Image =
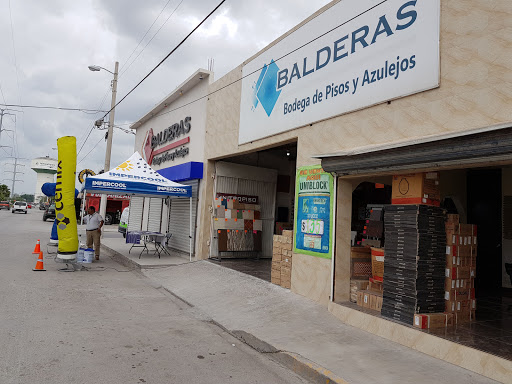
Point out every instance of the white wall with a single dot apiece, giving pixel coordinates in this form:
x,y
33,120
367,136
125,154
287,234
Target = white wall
x,y
196,110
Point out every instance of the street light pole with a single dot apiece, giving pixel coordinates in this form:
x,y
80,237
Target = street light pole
x,y
108,151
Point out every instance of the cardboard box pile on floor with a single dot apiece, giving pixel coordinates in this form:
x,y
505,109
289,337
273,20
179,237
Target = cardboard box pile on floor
x,y
281,273
461,251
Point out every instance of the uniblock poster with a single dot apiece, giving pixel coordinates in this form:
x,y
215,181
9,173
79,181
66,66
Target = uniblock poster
x,y
313,212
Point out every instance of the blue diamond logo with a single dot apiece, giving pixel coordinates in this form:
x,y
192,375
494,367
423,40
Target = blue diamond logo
x,y
265,91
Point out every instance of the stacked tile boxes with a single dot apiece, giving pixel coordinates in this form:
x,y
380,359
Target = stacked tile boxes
x,y
461,251
281,273
414,264
360,270
238,225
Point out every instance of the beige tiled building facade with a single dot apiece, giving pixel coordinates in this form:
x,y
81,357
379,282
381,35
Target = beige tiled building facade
x,y
474,93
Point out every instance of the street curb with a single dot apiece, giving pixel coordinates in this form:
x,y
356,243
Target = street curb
x,y
121,259
307,369
127,262
303,367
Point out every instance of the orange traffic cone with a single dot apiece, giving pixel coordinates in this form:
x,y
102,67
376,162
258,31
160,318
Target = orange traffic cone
x,y
37,249
39,264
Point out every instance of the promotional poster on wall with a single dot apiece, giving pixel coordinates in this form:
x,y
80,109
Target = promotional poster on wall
x,y
314,212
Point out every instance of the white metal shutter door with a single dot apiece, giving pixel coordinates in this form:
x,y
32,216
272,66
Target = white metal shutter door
x,y
135,214
179,219
155,214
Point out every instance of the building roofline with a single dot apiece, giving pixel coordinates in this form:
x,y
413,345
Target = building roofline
x,y
188,84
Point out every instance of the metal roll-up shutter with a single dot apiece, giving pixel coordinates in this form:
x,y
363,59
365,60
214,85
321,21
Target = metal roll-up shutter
x,y
155,214
179,218
135,214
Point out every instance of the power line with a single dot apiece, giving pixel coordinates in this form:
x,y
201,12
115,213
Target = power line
x,y
276,60
85,110
143,37
158,65
156,33
88,153
167,56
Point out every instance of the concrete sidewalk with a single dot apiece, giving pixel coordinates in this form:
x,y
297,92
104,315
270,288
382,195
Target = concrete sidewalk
x,y
120,250
256,310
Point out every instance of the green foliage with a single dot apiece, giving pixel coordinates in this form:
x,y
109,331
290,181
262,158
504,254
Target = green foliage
x,y
4,192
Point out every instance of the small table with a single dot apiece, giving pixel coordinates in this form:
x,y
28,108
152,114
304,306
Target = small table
x,y
147,237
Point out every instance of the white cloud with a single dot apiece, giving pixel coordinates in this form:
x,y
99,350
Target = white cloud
x,y
57,39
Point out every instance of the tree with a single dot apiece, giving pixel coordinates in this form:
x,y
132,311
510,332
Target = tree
x,y
4,192
27,197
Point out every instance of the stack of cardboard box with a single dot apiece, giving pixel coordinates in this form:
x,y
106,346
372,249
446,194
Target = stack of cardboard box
x,y
372,297
461,251
414,262
281,273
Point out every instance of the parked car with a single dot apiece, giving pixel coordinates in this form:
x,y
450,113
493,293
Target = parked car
x,y
5,205
19,206
29,205
49,213
123,222
43,206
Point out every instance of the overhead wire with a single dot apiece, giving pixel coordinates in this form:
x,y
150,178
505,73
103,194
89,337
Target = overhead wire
x,y
143,37
158,65
276,60
85,110
92,149
167,56
156,33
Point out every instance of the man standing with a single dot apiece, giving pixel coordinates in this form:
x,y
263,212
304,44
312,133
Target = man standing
x,y
93,229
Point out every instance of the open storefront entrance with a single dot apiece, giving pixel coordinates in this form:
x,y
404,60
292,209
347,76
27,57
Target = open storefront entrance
x,y
475,227
478,197
253,200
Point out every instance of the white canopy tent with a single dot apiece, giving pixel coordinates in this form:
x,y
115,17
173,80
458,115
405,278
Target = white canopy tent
x,y
136,177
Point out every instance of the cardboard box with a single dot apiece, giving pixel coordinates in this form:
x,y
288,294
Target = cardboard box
x,y
451,284
416,188
452,218
276,265
458,272
377,262
288,233
452,237
360,295
457,294
450,306
433,320
366,299
452,261
375,286
355,287
463,305
379,303
286,284
374,301
462,317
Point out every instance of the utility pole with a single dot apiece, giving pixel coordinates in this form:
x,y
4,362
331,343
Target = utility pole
x,y
14,173
108,151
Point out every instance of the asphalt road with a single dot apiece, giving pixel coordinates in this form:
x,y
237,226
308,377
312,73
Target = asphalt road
x,y
107,324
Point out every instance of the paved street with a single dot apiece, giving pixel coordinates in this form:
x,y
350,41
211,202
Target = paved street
x,y
107,324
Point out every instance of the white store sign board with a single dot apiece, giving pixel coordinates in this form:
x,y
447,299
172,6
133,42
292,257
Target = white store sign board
x,y
375,51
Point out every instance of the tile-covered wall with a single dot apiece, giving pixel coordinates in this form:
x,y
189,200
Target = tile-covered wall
x,y
474,92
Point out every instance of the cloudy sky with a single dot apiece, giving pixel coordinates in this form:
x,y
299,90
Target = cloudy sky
x,y
47,46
